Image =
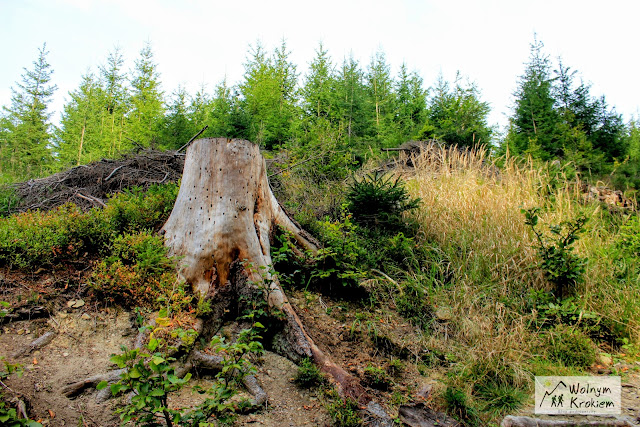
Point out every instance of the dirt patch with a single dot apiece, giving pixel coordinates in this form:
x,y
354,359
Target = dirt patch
x,y
85,341
82,347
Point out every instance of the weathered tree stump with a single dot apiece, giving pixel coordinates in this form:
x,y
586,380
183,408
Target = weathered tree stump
x,y
220,229
223,219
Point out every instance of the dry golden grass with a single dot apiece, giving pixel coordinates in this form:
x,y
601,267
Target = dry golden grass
x,y
471,209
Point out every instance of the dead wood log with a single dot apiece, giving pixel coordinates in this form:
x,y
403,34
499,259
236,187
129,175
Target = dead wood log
x,y
512,421
24,313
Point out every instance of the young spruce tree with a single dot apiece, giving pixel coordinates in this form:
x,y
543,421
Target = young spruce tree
x,y
26,135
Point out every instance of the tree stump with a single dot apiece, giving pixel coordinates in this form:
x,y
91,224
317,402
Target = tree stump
x,y
223,219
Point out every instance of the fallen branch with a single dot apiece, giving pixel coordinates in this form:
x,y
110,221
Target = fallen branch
x,y
91,199
36,344
113,172
192,139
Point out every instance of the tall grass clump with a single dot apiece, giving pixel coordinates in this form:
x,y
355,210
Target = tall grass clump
x,y
500,296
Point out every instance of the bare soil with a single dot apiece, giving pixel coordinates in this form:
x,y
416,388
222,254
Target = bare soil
x,y
89,334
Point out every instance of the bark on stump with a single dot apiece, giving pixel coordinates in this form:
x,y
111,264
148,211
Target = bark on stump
x,y
224,215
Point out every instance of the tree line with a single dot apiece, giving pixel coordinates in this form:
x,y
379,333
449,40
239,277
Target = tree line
x,y
340,109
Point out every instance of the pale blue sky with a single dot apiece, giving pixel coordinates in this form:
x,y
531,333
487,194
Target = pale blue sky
x,y
198,41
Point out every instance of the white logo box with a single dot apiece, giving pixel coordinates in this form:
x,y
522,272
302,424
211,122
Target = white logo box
x,y
586,395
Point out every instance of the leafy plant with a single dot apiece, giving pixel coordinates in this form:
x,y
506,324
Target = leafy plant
x,y
563,268
9,415
376,378
343,412
379,201
308,374
235,367
150,376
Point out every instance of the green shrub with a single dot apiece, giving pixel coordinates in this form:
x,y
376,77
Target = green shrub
x,y
137,273
136,209
629,237
377,378
570,346
37,238
377,201
40,239
343,412
308,374
342,258
560,265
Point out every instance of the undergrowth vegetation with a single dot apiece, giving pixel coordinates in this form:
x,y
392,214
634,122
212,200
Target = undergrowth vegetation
x,y
506,266
130,263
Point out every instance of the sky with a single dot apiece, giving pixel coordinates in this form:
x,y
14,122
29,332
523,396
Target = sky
x,y
198,42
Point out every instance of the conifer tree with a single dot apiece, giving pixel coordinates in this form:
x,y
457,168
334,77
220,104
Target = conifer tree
x,y
535,119
411,103
268,95
381,97
176,127
147,108
456,115
318,92
25,137
79,140
351,93
116,107
227,119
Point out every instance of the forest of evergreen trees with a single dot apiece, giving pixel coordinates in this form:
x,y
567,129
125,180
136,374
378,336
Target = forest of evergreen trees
x,y
339,109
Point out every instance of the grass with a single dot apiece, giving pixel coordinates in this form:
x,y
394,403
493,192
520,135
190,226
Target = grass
x,y
471,215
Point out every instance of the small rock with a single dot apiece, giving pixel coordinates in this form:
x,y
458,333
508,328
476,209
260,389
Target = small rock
x,y
85,316
443,314
425,391
65,354
604,359
75,303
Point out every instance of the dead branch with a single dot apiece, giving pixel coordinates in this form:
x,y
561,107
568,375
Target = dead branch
x,y
36,344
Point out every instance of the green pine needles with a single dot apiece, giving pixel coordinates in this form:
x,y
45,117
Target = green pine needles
x,y
378,201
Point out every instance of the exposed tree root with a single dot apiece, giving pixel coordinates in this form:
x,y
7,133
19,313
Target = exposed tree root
x,y
36,344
